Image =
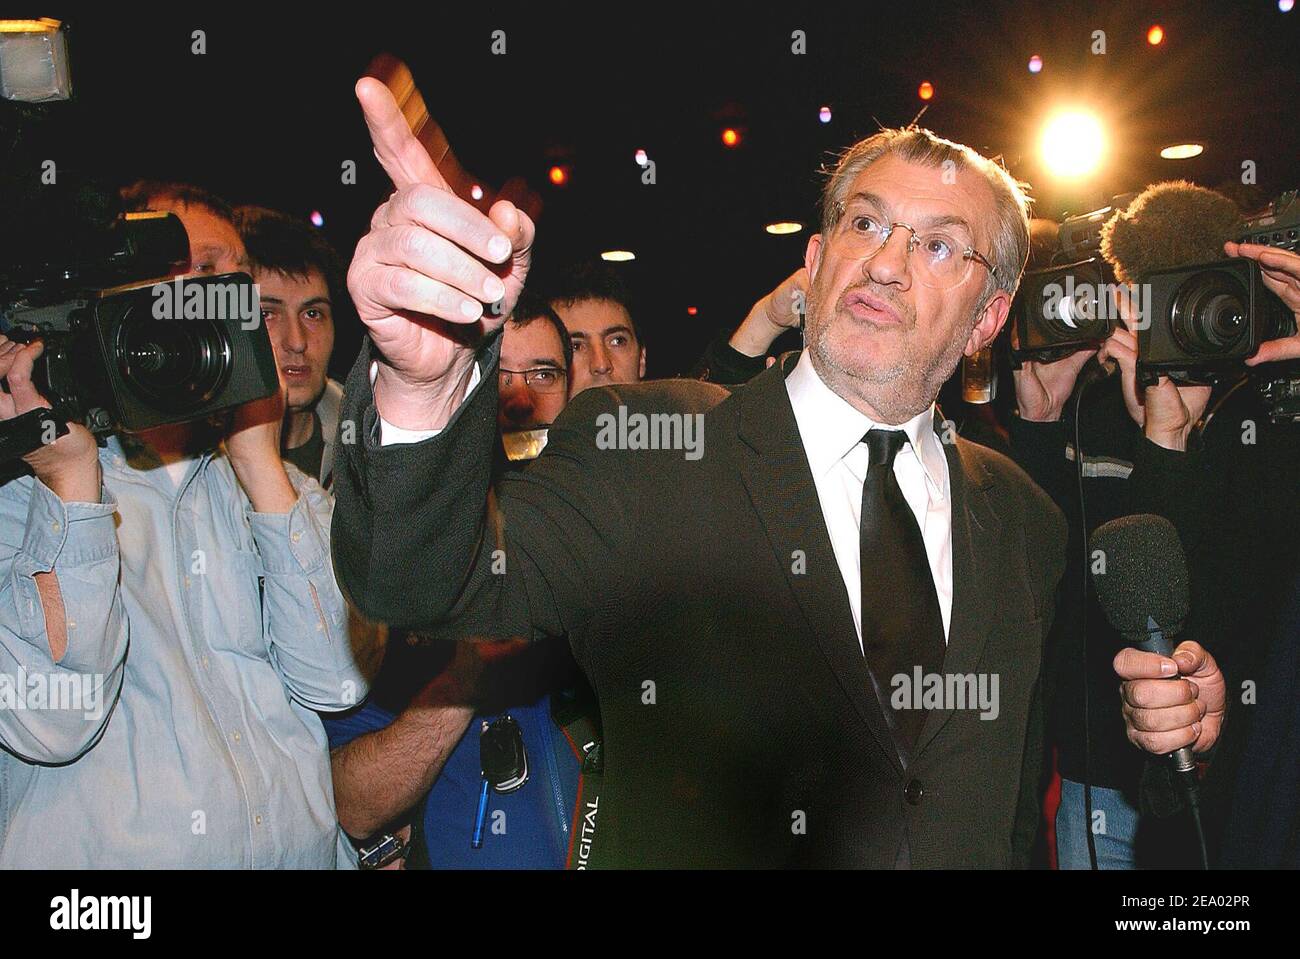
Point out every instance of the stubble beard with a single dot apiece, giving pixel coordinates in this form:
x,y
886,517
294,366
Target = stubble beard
x,y
892,394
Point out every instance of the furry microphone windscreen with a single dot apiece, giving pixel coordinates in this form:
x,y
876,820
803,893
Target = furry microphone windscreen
x,y
1168,225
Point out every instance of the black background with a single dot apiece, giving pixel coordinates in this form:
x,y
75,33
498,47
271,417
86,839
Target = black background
x,y
267,114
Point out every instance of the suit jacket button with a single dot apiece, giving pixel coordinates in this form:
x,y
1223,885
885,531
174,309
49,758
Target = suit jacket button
x,y
913,792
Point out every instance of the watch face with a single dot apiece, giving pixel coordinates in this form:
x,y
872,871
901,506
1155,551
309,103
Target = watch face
x,y
382,852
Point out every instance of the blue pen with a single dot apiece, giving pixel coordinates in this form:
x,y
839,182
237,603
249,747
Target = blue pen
x,y
477,841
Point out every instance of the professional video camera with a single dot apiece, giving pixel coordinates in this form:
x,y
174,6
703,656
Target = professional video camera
x,y
1201,321
125,348
1067,306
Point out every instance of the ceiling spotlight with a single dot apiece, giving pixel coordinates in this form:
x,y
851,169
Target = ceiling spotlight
x,y
1182,151
1285,5
1035,64
926,90
642,158
1156,35
1072,144
692,310
618,256
782,227
558,175
730,137
824,114
316,219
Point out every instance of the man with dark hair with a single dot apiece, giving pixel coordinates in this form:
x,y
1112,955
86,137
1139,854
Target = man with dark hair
x,y
300,283
535,359
406,764
596,308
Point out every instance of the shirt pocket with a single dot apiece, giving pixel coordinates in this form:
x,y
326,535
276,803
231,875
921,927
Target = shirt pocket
x,y
240,602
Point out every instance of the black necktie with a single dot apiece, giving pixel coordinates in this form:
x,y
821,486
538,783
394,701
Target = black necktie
x,y
902,627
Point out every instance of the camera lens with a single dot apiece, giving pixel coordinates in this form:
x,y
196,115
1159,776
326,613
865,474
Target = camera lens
x,y
175,365
1209,313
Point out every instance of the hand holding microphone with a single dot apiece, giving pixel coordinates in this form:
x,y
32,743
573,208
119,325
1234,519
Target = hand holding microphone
x,y
1173,699
1171,702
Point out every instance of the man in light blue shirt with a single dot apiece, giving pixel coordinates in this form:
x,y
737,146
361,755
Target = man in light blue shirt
x,y
187,584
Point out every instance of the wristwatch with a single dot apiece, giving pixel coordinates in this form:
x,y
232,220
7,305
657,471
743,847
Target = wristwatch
x,y
379,851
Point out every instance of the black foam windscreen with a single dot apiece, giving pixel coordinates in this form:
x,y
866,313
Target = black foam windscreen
x,y
1139,571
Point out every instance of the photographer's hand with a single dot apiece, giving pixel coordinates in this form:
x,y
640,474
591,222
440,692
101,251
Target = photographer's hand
x,y
422,274
70,465
1281,274
253,447
1166,411
1043,388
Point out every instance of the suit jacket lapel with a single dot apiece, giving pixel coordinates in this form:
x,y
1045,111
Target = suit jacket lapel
x,y
975,530
775,471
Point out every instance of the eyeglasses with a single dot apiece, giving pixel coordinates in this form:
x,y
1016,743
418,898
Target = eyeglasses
x,y
540,379
944,260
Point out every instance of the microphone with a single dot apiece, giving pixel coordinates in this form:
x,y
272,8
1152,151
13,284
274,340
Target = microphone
x,y
1169,225
1142,585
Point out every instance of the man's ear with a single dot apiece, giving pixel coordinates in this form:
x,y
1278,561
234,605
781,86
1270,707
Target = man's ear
x,y
812,256
990,323
641,375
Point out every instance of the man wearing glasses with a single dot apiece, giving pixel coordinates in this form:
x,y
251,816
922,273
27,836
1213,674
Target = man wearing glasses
x,y
407,764
533,378
817,644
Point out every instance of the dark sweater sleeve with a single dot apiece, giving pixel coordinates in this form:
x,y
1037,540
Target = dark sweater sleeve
x,y
1172,484
1039,450
722,363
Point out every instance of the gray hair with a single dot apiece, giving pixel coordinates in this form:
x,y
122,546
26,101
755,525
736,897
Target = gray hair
x,y
1010,242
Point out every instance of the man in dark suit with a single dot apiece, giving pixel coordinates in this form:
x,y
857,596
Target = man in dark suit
x,y
813,617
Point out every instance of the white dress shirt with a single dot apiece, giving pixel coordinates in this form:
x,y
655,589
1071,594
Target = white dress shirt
x,y
390,435
832,433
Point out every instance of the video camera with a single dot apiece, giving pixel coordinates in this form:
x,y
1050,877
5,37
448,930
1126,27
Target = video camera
x,y
1063,308
125,349
1195,323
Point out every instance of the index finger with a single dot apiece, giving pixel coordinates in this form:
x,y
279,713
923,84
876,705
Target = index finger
x,y
398,151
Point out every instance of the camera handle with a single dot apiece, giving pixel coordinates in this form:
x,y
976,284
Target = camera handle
x,y
30,431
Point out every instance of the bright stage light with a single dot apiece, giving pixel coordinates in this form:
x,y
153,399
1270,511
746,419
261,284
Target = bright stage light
x,y
1286,6
1182,151
1072,144
618,256
926,90
1035,64
824,114
783,227
1155,35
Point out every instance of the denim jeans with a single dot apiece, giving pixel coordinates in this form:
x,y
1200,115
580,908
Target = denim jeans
x,y
1115,825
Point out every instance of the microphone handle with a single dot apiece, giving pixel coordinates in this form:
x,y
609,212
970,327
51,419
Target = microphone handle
x,y
1155,641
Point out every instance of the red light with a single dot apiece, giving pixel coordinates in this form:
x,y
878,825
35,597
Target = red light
x,y
926,90
559,175
1155,35
692,310
730,137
